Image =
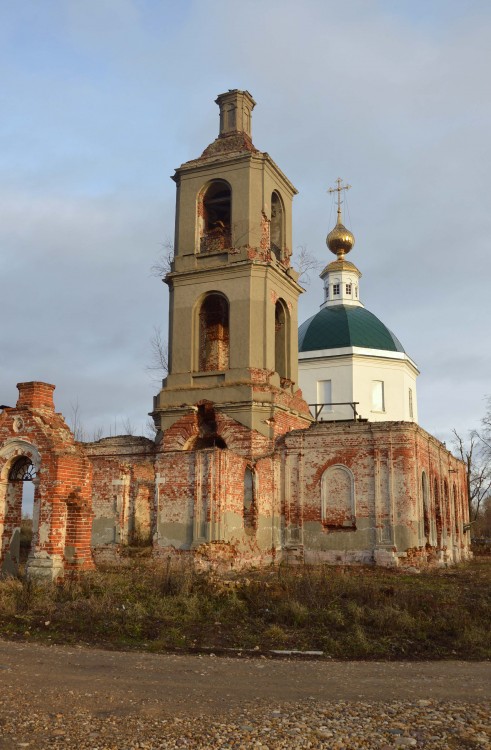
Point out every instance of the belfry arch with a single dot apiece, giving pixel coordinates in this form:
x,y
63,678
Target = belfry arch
x,y
277,225
282,339
214,333
215,217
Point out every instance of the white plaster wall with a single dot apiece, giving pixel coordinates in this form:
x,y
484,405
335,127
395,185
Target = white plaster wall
x,y
340,372
352,372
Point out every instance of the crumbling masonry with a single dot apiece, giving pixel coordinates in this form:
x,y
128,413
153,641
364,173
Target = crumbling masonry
x,y
239,473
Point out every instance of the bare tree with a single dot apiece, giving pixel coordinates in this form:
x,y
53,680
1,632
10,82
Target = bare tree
x,y
127,426
305,263
482,528
78,429
485,433
158,366
97,434
163,264
150,429
478,466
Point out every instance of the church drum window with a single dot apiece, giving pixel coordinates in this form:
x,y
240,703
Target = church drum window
x,y
348,289
214,335
336,289
378,396
324,397
215,208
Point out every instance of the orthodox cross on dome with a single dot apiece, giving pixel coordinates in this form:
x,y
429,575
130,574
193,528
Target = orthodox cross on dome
x,y
340,187
340,240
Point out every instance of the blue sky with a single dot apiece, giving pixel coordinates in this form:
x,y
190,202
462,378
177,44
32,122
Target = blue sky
x,y
102,99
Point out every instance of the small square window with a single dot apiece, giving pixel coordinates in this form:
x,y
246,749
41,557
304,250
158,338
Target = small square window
x,y
336,288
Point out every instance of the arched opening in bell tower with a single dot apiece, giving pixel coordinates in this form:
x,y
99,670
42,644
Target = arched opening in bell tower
x,y
276,227
215,213
281,339
214,335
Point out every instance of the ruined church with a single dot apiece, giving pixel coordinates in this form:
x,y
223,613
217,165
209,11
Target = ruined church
x,y
273,444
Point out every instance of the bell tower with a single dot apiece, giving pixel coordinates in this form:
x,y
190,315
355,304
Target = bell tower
x,y
233,293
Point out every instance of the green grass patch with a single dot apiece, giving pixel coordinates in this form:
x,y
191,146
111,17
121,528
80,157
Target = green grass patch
x,y
348,613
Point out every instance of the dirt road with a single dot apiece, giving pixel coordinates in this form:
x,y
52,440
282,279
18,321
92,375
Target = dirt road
x,y
67,697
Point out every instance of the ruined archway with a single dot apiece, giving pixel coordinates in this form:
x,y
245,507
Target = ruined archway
x,y
19,508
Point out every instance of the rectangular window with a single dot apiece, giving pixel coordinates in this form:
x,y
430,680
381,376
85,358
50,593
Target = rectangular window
x,y
378,401
411,415
324,396
336,288
348,288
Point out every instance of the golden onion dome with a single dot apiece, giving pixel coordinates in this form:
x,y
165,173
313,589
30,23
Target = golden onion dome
x,y
340,240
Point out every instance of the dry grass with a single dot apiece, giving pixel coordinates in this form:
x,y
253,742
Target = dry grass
x,y
348,613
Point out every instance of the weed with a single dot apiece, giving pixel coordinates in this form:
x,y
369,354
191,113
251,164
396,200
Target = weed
x,y
355,613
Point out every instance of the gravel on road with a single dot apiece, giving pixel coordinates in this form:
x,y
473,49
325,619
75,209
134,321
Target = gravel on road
x,y
87,699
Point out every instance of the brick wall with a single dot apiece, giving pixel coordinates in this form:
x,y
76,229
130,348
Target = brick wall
x,y
62,500
349,492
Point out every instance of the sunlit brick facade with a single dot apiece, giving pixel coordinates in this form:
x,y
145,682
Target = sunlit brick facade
x,y
239,473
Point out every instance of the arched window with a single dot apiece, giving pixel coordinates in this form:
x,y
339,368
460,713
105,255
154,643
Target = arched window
x,y
249,500
456,510
23,470
276,228
214,339
215,212
426,514
447,511
338,497
438,514
207,435
281,339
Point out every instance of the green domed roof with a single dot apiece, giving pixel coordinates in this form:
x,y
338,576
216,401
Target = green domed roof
x,y
345,325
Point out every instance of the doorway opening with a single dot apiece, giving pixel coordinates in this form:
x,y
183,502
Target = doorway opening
x,y
19,512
